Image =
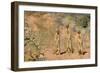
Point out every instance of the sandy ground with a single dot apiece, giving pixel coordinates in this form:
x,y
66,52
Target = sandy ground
x,y
49,55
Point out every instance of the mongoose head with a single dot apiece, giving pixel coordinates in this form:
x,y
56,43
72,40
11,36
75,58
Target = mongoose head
x,y
67,26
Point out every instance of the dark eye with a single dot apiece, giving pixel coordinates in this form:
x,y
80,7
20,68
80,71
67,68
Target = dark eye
x,y
84,26
57,32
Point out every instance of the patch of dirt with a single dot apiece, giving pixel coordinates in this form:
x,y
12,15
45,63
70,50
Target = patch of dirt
x,y
50,55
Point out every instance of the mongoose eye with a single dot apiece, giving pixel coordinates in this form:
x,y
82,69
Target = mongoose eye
x,y
58,32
